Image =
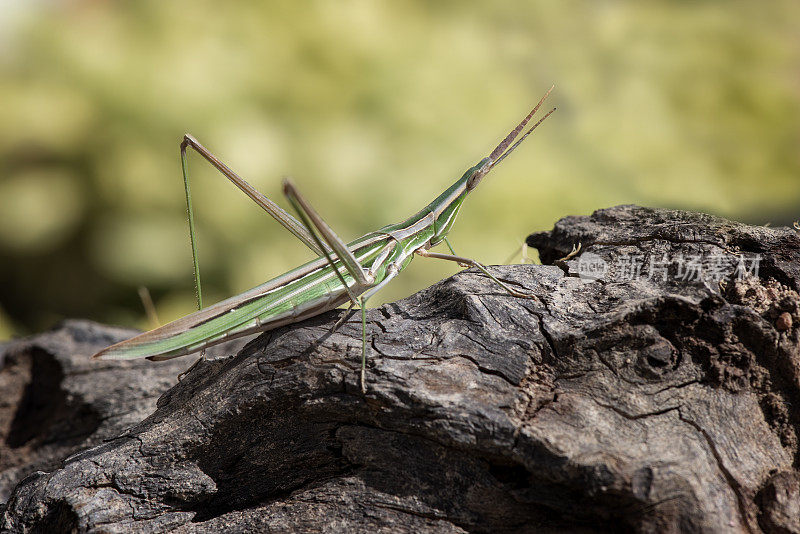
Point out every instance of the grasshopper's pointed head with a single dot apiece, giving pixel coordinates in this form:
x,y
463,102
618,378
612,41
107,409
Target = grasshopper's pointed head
x,y
500,152
446,206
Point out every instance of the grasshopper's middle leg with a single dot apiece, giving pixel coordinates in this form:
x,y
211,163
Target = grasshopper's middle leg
x,y
314,223
392,271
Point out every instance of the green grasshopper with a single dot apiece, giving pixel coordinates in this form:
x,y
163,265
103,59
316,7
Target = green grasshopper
x,y
343,271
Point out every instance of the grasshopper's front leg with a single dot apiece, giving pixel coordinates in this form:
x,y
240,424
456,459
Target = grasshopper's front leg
x,y
467,262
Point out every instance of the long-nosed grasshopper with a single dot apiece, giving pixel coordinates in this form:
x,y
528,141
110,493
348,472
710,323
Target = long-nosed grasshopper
x,y
343,271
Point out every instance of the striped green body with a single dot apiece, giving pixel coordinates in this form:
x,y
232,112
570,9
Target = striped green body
x,y
353,273
306,291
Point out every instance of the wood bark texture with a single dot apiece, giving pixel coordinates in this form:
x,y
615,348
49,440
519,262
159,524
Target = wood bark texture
x,y
646,402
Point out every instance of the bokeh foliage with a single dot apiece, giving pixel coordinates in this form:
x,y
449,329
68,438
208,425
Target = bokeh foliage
x,y
373,108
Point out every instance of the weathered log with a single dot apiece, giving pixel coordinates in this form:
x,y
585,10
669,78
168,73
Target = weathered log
x,y
652,401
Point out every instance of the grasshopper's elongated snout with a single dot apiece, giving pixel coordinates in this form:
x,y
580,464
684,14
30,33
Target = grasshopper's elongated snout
x,y
446,206
500,152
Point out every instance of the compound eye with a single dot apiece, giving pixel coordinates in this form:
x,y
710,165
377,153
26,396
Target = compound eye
x,y
473,180
478,172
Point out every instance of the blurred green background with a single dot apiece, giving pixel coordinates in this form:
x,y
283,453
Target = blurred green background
x,y
373,108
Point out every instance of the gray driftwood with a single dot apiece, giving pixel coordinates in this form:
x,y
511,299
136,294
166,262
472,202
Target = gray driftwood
x,y
652,404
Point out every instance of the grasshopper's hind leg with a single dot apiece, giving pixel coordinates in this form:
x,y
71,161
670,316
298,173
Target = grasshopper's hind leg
x,y
286,220
192,236
193,240
278,213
